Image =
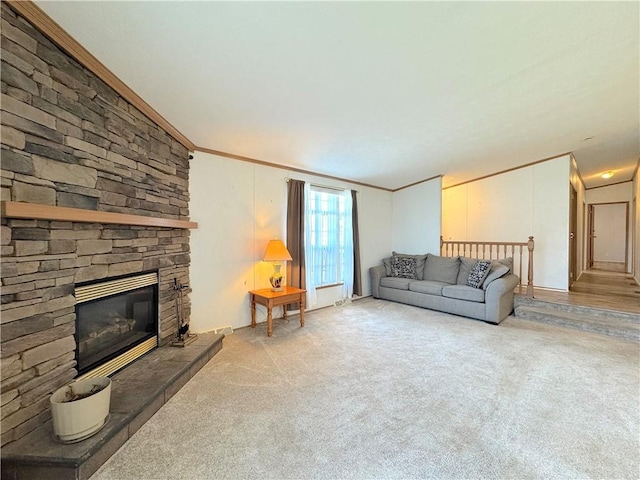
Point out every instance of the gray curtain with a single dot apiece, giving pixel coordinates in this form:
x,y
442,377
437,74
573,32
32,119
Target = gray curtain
x,y
357,279
295,236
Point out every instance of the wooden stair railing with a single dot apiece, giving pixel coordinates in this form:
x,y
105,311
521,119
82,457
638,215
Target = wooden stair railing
x,y
494,251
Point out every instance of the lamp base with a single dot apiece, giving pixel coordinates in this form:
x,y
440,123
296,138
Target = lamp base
x,y
277,282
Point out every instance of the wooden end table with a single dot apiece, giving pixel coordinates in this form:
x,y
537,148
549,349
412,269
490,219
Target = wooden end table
x,y
271,299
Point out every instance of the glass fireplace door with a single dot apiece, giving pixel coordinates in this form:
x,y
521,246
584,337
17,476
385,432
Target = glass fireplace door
x,y
112,324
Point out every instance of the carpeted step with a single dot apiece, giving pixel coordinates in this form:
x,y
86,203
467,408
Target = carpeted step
x,y
616,324
520,300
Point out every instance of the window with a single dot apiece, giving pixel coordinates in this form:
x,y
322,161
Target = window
x,y
329,246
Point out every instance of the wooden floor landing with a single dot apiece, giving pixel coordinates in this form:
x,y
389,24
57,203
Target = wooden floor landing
x,y
598,289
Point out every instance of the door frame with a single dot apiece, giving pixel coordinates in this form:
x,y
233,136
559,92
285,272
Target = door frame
x,y
591,235
634,236
573,235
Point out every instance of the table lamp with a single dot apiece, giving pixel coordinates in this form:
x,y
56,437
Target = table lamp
x,y
276,252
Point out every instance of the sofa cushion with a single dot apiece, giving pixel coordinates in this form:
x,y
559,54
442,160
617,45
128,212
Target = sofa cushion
x,y
387,265
420,259
497,270
508,262
466,264
427,286
478,273
463,292
395,282
403,267
441,269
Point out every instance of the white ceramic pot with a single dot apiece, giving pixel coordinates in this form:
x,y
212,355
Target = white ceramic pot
x,y
80,419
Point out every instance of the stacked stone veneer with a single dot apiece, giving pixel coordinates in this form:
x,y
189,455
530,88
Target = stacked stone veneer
x,y
69,140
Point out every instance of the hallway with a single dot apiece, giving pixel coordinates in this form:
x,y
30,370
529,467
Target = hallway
x,y
601,282
600,289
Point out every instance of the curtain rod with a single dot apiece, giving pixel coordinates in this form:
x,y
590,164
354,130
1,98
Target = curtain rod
x,y
338,189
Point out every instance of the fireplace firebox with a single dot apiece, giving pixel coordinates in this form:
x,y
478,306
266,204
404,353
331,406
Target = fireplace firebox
x,y
116,322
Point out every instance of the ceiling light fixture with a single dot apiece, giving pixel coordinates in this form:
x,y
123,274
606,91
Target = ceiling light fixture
x,y
608,174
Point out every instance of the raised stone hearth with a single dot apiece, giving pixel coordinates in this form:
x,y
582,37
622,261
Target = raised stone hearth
x,y
138,392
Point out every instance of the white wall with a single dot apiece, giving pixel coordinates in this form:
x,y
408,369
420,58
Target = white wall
x,y
621,192
239,207
417,218
511,206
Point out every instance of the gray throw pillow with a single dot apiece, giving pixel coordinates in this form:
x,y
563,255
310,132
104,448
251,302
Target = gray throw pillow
x,y
403,267
479,272
441,269
420,259
387,265
466,264
497,270
508,262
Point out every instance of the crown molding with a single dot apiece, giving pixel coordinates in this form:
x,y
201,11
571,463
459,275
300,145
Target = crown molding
x,y
611,184
417,183
509,170
285,167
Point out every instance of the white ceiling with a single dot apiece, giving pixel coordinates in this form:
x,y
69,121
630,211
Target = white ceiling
x,y
385,93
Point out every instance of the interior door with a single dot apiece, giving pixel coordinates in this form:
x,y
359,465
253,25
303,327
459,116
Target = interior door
x,y
609,227
573,234
634,242
635,248
590,239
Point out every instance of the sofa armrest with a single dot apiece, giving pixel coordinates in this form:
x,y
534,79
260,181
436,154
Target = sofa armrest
x,y
375,274
499,298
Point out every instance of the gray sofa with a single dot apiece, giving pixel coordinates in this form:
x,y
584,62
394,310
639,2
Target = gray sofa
x,y
442,283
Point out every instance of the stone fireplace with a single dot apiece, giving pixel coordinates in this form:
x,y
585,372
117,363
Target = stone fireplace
x,y
92,190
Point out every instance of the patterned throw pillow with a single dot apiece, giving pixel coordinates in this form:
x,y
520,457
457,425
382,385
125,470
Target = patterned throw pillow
x,y
403,267
420,262
478,273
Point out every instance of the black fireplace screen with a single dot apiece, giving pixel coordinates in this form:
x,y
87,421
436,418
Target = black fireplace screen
x,y
108,326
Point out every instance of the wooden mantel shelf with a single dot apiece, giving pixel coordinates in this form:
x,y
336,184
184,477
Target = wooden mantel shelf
x,y
35,211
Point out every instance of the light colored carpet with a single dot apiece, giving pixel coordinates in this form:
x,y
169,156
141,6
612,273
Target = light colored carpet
x,y
381,390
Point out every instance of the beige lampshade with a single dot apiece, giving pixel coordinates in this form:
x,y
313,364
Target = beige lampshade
x,y
276,252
